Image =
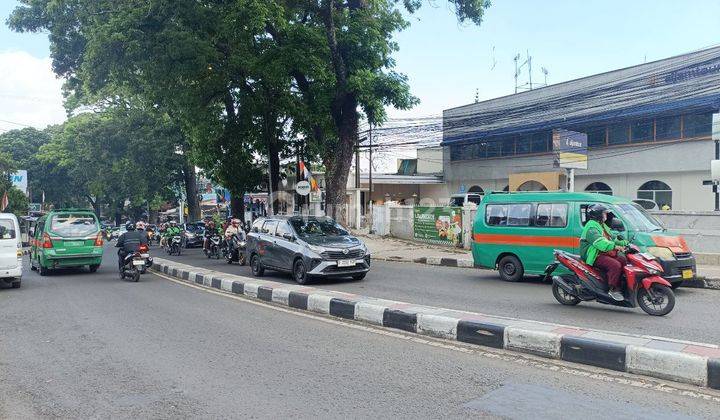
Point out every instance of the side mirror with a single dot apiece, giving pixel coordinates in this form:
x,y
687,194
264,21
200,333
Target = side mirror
x,y
31,233
617,224
288,236
255,230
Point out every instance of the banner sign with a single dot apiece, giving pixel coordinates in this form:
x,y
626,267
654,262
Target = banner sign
x,y
440,225
570,148
20,181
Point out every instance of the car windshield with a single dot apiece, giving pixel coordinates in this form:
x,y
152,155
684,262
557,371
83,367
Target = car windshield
x,y
639,218
73,225
194,229
317,227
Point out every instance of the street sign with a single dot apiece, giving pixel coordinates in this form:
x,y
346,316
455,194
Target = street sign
x,y
715,170
34,207
316,196
302,188
570,148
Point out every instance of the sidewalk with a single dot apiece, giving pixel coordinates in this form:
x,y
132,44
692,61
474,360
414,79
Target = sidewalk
x,y
394,249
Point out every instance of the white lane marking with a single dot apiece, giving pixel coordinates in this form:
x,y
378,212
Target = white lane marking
x,y
636,381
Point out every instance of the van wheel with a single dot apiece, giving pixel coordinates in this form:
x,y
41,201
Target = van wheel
x,y
43,271
16,284
676,285
511,269
94,268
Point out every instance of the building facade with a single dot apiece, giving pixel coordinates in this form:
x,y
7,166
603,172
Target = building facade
x,y
650,132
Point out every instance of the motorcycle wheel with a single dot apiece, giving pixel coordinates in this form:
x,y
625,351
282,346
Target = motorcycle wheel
x,y
564,297
136,275
661,304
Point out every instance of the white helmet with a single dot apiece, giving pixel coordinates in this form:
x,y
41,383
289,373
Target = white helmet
x,y
140,225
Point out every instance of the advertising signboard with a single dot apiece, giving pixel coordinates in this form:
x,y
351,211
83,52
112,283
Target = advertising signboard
x,y
20,181
570,148
441,225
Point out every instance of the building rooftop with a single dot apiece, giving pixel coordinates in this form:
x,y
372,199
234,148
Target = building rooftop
x,y
689,82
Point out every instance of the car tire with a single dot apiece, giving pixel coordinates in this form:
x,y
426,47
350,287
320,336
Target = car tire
x,y
94,267
358,277
43,271
511,269
256,266
16,284
676,285
299,272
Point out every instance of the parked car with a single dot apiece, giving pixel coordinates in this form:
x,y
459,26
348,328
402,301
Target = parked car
x,y
66,238
306,247
646,204
516,233
193,235
459,200
10,250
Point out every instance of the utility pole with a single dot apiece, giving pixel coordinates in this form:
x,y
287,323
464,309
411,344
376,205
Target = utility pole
x,y
515,59
715,185
370,185
270,191
529,61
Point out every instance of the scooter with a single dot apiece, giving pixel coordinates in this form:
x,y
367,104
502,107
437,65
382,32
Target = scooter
x,y
213,250
174,245
236,250
133,265
144,251
644,287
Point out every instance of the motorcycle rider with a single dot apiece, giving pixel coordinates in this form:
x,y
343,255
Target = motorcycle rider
x,y
601,249
172,230
210,230
129,241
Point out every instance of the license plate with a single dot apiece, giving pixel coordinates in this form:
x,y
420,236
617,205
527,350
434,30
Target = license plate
x,y
346,263
145,255
74,243
138,262
687,274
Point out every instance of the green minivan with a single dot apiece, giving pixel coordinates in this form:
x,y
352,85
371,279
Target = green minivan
x,y
66,238
517,232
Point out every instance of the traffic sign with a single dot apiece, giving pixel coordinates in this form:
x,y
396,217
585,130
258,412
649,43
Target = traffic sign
x,y
303,188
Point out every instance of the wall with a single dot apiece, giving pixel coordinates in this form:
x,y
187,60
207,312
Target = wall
x,y
701,230
401,221
682,165
430,160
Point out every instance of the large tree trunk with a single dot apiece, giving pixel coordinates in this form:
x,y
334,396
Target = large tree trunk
x,y
338,167
191,190
237,204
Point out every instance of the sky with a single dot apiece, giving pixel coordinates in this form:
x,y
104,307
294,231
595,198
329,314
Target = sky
x,y
446,62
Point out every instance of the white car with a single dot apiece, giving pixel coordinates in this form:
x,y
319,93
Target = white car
x,y
10,250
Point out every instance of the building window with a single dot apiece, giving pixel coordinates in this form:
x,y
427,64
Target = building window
x,y
541,142
657,191
524,145
667,128
532,186
697,125
642,131
476,189
596,136
508,146
494,148
599,187
618,134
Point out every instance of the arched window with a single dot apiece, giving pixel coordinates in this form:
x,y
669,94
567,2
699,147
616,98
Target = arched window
x,y
600,188
532,186
476,189
658,191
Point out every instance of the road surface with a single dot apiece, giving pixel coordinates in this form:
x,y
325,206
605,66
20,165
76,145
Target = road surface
x,y
694,318
81,345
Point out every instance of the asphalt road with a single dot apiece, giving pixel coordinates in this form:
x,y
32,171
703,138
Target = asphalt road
x,y
80,345
694,318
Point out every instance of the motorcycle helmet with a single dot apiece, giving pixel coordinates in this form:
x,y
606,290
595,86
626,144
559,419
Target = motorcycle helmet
x,y
172,223
140,225
235,222
596,211
129,226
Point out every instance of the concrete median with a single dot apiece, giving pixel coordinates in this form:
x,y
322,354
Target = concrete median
x,y
663,358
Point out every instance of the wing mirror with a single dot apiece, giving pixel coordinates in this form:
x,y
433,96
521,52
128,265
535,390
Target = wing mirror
x,y
288,236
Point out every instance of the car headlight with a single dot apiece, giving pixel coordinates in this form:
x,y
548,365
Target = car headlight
x,y
661,253
316,249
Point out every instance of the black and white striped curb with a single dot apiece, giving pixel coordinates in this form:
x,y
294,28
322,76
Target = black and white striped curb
x,y
681,361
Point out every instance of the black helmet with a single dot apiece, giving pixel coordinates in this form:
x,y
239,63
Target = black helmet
x,y
596,211
129,225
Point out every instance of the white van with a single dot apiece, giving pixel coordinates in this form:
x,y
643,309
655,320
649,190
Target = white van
x,y
10,250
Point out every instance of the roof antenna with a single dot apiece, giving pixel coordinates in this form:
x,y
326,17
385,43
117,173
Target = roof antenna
x,y
477,95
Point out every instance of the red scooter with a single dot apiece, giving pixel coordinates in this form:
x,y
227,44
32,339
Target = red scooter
x,y
643,287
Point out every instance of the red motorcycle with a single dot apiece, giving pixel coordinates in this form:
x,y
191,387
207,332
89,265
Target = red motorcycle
x,y
643,285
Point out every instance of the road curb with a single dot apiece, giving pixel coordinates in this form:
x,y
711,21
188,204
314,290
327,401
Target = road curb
x,y
700,282
663,358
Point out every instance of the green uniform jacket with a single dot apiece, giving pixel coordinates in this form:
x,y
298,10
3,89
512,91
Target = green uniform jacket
x,y
593,241
172,231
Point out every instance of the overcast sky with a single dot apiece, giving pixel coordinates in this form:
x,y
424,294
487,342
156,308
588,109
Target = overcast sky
x,y
445,62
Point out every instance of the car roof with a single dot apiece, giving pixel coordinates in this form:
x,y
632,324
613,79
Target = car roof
x,y
551,196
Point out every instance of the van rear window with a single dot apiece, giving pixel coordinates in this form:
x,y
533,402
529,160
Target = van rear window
x,y
73,225
7,229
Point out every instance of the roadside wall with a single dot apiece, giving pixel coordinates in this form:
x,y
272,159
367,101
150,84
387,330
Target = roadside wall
x,y
701,229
